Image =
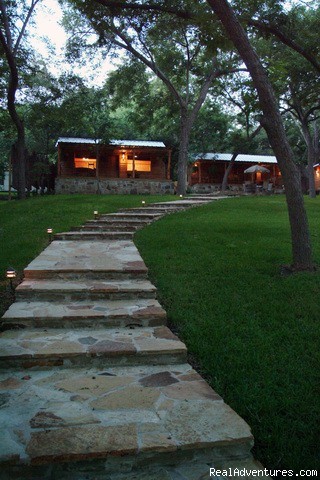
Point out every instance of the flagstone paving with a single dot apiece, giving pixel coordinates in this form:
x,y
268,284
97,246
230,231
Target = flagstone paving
x,y
31,348
93,385
88,259
60,289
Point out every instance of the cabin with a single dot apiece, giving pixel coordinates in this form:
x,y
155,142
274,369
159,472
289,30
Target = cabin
x,y
86,165
207,172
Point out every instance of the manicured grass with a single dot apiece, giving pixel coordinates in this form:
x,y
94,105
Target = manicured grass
x,y
23,224
253,331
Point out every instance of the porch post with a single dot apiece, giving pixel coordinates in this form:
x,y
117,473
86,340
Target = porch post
x,y
133,165
59,160
199,172
97,162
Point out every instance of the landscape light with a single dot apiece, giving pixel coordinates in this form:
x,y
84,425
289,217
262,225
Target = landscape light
x,y
181,196
143,202
11,274
95,213
49,232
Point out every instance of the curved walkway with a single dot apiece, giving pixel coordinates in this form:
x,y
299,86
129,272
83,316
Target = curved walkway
x,y
93,384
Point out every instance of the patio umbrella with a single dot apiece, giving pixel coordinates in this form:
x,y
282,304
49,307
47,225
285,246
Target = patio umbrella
x,y
257,168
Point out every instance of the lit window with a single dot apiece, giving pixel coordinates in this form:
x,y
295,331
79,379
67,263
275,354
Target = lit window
x,y
85,162
139,165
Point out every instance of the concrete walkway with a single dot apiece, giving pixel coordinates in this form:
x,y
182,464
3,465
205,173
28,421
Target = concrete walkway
x,y
93,384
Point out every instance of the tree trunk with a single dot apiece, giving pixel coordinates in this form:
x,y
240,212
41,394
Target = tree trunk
x,y
312,157
228,171
19,148
185,127
272,123
19,159
311,162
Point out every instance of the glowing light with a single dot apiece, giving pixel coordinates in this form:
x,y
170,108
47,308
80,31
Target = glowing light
x,y
11,273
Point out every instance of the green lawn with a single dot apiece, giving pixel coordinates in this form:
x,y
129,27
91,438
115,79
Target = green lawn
x,y
253,332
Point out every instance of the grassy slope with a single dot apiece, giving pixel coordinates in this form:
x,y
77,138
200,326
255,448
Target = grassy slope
x,y
254,332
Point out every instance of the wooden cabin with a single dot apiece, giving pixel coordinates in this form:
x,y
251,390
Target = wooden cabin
x,y
207,172
122,166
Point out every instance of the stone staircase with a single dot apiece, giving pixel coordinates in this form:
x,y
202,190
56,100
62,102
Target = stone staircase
x,y
93,385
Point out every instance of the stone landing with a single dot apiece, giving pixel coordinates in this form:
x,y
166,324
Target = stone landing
x,y
93,385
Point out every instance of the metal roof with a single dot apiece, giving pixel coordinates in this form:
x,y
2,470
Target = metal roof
x,y
120,143
77,140
137,143
226,157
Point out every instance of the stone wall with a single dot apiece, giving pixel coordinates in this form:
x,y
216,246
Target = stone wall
x,y
205,188
107,186
214,187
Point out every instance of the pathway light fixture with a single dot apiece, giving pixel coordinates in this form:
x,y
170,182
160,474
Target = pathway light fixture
x,y
11,274
49,232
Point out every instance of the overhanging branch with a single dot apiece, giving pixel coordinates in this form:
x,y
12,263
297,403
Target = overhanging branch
x,y
265,27
145,7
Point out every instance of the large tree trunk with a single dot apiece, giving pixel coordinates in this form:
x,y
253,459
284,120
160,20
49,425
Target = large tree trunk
x,y
19,165
272,122
185,128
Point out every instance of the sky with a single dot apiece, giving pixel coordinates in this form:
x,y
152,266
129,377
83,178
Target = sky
x,y
48,17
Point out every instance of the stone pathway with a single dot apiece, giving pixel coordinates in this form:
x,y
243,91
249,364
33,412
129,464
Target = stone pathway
x,y
93,385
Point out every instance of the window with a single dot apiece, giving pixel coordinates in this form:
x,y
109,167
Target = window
x,y
90,163
139,165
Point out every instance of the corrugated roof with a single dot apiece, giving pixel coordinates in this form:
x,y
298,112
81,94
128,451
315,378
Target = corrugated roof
x,y
120,143
137,143
77,140
240,158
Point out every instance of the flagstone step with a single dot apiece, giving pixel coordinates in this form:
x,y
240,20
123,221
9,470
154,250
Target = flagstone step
x,y
69,290
183,204
159,210
120,221
107,227
89,347
88,260
131,215
203,199
100,423
177,206
120,224
93,235
85,313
